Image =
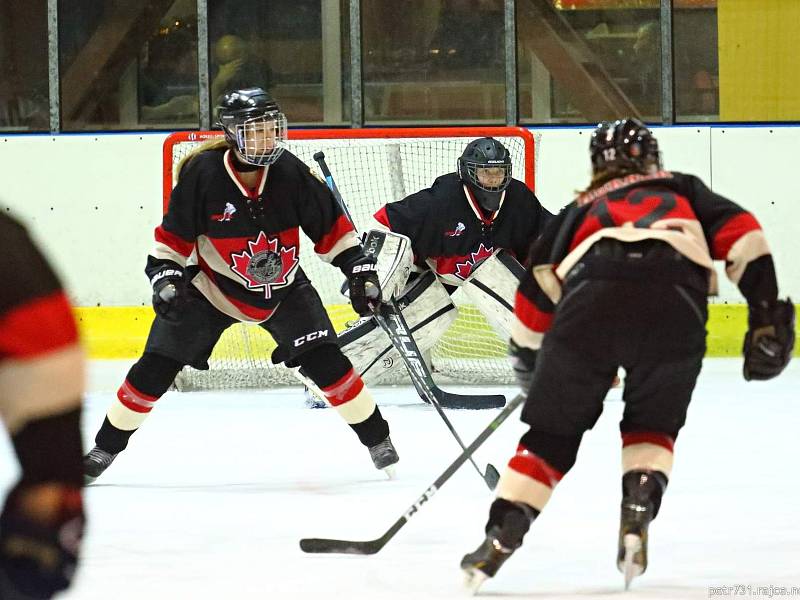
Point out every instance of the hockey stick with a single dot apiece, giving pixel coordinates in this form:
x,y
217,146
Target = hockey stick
x,y
324,545
391,320
446,399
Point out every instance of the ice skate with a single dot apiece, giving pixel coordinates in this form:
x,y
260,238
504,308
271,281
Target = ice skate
x,y
95,462
632,553
384,457
500,543
484,562
640,502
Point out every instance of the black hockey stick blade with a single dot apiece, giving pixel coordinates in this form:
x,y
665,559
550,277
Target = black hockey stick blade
x,y
492,476
332,546
476,402
323,546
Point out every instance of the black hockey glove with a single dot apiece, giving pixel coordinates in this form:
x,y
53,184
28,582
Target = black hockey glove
x,y
523,361
769,340
362,281
40,536
169,292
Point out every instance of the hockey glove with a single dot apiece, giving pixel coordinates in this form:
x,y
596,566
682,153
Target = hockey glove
x,y
40,536
169,292
362,281
769,340
523,361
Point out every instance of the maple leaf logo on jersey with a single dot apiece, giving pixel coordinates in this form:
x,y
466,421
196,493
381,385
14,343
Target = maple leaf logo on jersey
x,y
464,269
266,266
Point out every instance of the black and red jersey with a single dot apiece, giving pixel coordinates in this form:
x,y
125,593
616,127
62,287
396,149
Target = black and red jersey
x,y
675,208
450,233
242,244
35,315
41,361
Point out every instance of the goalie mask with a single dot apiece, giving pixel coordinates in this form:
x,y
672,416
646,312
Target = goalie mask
x,y
485,167
253,125
622,147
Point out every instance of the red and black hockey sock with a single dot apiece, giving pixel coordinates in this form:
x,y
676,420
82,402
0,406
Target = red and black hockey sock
x,y
333,373
558,451
146,382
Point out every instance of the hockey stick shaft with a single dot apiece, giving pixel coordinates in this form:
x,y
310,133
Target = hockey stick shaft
x,y
391,320
323,545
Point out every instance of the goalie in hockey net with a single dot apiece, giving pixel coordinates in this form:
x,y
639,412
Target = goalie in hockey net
x,y
469,230
227,251
620,278
41,384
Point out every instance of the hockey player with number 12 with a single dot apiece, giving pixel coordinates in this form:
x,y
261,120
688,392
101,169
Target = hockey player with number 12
x,y
620,278
227,251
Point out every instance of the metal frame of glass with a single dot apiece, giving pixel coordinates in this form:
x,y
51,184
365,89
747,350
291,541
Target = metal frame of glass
x,y
356,97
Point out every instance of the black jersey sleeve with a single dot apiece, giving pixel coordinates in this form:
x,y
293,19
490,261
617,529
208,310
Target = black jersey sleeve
x,y
734,235
176,236
25,273
321,217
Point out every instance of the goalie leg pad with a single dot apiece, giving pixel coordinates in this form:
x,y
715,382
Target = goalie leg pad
x,y
428,311
491,289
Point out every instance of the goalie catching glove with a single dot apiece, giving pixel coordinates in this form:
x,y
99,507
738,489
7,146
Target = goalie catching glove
x,y
169,292
362,281
769,340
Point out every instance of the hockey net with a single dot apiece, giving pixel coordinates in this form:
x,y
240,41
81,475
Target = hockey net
x,y
371,167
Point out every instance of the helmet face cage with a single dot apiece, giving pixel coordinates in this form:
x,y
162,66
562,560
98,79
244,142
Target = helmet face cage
x,y
259,139
485,153
471,168
624,146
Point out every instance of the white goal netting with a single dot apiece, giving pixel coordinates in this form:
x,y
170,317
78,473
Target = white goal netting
x,y
371,168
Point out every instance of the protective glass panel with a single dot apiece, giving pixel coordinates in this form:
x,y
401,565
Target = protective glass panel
x,y
23,66
696,58
433,61
128,65
295,49
585,61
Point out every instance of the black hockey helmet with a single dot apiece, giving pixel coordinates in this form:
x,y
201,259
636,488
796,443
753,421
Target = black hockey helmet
x,y
485,153
624,146
253,124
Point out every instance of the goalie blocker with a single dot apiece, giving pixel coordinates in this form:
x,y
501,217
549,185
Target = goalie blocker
x,y
426,305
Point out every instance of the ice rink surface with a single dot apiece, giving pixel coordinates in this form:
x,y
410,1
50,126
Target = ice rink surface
x,y
216,489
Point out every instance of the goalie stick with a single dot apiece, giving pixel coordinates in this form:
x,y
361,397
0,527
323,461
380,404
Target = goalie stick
x,y
332,546
446,399
391,320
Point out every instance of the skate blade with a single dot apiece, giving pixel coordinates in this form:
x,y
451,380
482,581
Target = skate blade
x,y
630,569
473,579
391,472
88,480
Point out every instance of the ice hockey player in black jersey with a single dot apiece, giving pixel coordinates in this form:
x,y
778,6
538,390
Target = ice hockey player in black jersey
x,y
469,230
620,278
41,385
226,251
466,215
